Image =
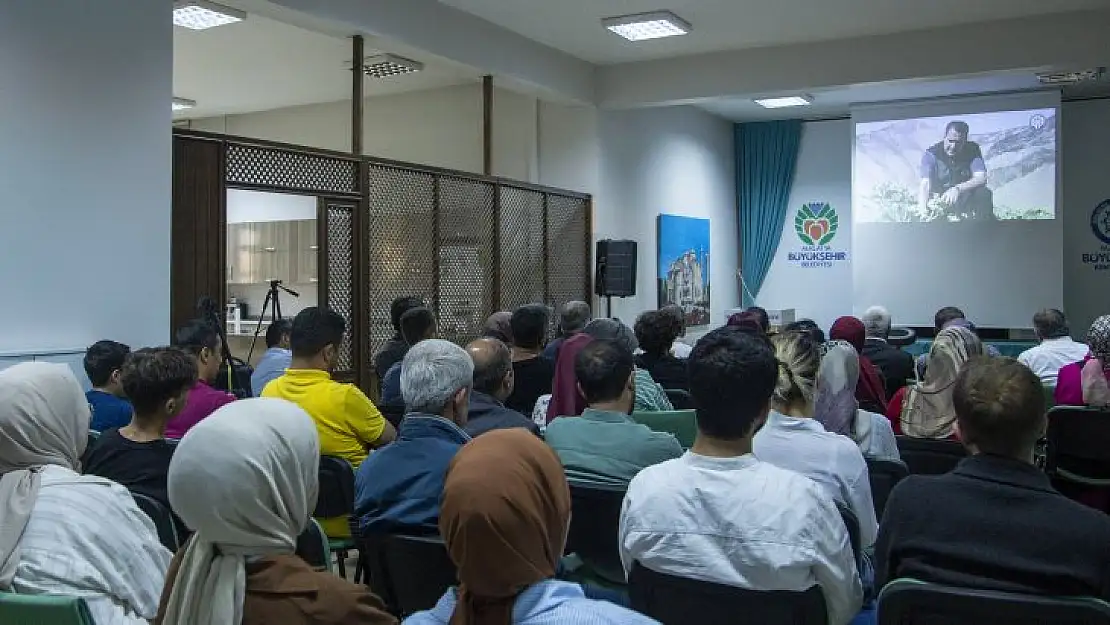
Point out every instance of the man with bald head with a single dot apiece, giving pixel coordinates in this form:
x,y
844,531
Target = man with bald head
x,y
493,382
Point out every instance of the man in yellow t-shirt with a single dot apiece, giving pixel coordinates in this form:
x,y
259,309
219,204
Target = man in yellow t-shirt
x,y
347,421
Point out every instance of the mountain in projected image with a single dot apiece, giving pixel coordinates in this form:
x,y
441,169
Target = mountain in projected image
x,y
1020,157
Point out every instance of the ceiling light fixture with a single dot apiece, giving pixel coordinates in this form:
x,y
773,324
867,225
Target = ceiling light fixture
x,y
180,104
785,102
387,65
1071,77
201,14
642,26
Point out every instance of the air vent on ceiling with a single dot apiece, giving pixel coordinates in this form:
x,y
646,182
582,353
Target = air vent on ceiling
x,y
1070,78
386,65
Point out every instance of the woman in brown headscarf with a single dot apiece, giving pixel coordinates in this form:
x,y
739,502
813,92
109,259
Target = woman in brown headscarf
x,y
504,516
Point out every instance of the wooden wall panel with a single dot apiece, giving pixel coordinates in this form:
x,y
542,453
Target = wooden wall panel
x,y
199,226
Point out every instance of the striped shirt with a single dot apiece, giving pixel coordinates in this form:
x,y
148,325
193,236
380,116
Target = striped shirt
x,y
649,395
87,538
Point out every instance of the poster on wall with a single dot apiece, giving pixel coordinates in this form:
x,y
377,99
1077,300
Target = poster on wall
x,y
683,273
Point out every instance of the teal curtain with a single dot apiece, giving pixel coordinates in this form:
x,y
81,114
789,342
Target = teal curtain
x,y
766,153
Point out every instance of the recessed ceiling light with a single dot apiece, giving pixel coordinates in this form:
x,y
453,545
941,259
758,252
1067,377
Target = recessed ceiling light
x,y
788,101
201,14
180,104
641,26
386,65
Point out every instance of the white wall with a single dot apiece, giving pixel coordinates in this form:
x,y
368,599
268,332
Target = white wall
x,y
85,172
258,206
678,161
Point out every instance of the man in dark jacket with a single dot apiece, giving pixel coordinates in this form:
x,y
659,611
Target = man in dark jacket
x,y
493,382
895,365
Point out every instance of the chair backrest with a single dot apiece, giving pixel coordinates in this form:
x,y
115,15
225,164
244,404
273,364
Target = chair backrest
x,y
337,488
911,602
675,600
682,423
851,523
1078,447
312,547
884,475
410,573
163,520
594,530
43,610
929,456
681,399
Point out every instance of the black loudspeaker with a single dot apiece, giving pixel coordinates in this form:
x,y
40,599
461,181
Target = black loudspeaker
x,y
615,274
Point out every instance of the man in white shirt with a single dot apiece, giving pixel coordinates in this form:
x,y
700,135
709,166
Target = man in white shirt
x,y
1056,349
718,514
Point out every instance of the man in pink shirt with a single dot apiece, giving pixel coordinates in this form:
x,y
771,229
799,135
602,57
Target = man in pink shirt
x,y
201,340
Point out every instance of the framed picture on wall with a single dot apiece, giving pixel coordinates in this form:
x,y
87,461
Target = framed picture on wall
x,y
683,272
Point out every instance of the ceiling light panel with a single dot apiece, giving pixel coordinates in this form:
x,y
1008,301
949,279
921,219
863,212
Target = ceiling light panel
x,y
788,101
180,104
201,15
644,26
387,65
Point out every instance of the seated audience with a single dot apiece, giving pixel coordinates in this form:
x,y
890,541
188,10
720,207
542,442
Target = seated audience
x,y
604,447
246,481
794,440
109,405
505,517
1056,348
679,349
532,373
277,357
656,332
566,400
417,325
62,533
397,489
493,384
650,396
137,455
808,326
894,365
718,513
200,339
925,410
347,422
573,316
869,391
995,522
947,316
760,315
837,408
1084,383
394,349
499,326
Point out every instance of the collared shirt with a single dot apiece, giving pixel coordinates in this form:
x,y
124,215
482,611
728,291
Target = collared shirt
x,y
391,387
398,488
607,449
740,522
284,589
87,538
486,414
550,602
202,401
108,411
649,395
1051,355
832,461
271,366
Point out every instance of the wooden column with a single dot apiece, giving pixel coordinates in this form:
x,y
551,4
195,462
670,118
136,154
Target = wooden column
x,y
487,125
357,97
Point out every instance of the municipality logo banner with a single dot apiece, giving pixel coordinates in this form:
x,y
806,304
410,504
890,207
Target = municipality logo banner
x,y
1099,259
816,224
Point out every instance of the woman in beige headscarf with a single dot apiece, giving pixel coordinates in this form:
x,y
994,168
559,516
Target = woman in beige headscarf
x,y
63,533
928,411
245,480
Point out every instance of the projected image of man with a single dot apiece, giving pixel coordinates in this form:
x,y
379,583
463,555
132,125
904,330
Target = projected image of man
x,y
954,178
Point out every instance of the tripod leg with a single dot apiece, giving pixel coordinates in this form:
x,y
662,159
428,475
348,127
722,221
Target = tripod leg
x,y
258,326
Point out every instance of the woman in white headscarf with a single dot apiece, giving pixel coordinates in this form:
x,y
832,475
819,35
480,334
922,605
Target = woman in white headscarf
x,y
837,409
245,480
62,533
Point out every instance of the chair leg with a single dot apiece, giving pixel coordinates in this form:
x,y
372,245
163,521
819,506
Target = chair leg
x,y
360,569
341,556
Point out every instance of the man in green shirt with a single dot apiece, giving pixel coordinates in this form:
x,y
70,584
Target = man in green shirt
x,y
604,448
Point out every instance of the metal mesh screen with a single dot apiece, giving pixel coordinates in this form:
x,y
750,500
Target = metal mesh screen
x,y
340,275
568,254
287,169
522,255
466,253
400,244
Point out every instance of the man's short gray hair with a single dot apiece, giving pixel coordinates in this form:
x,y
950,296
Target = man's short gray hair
x,y
432,372
612,330
876,322
574,316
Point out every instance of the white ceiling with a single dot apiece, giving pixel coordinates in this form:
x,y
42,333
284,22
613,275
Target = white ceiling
x,y
574,27
261,64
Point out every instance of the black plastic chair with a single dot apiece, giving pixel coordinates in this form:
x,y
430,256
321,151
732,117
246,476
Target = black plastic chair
x,y
1078,445
163,520
675,600
336,499
409,573
884,475
312,547
680,399
912,602
594,530
930,456
851,523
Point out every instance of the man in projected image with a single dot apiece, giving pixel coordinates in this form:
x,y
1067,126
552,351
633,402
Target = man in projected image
x,y
954,178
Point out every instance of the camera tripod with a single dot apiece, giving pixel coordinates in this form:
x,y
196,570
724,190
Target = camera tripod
x,y
273,302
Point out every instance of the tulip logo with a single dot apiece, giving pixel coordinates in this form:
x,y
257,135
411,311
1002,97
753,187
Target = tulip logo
x,y
816,223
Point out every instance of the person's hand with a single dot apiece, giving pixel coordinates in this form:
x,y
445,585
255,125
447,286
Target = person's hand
x,y
951,196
